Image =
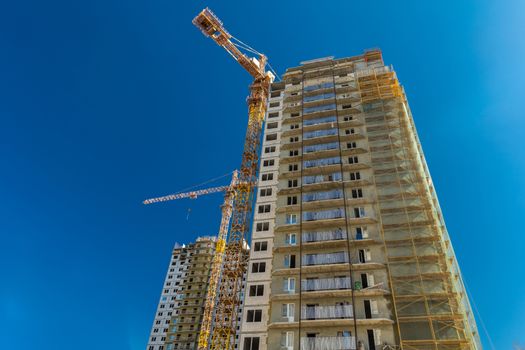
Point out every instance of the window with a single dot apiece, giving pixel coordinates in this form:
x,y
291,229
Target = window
x,y
270,149
271,137
251,343
273,115
261,246
291,219
294,152
357,193
288,310
269,162
348,118
377,335
350,131
257,290
294,139
274,125
353,160
294,126
292,183
347,106
275,94
265,192
359,212
289,261
264,208
293,115
262,226
291,239
361,232
351,145
292,200
293,167
364,255
258,267
267,177
355,176
274,104
287,339
254,316
289,284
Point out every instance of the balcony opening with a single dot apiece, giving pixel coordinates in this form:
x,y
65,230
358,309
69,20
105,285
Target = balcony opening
x,y
289,261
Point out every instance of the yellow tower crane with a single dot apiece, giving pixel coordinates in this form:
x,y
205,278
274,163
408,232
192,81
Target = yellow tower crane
x,y
234,265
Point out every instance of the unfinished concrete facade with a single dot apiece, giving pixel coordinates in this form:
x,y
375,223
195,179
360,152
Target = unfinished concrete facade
x,y
177,323
349,246
167,303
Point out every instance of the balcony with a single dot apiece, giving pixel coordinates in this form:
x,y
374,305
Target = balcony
x,y
318,109
326,312
321,147
322,181
338,213
324,149
320,284
319,121
325,259
318,87
328,343
322,196
320,133
313,220
318,97
323,236
307,164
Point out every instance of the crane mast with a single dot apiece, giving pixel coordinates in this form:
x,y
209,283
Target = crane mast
x,y
235,260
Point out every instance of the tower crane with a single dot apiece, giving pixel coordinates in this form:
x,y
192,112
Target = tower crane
x,y
234,264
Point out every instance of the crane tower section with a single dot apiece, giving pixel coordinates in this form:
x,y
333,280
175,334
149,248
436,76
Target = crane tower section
x,y
235,260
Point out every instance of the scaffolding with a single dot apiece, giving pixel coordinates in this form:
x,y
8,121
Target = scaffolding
x,y
427,293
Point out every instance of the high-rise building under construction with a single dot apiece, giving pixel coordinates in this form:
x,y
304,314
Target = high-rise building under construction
x,y
179,312
349,246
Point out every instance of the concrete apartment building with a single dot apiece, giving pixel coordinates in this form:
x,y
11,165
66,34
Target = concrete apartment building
x,y
177,321
349,246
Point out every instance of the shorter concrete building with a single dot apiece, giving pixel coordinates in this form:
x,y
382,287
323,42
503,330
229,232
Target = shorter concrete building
x,y
178,318
179,314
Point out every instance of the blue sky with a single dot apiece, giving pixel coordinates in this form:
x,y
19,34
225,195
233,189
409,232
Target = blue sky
x,y
104,103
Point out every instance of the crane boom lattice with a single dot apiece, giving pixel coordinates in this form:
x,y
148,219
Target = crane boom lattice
x,y
192,194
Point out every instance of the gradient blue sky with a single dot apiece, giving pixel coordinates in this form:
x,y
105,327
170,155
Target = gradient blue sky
x,y
104,103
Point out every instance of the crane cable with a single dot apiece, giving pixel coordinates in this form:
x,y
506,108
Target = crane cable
x,y
204,183
471,297
247,47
